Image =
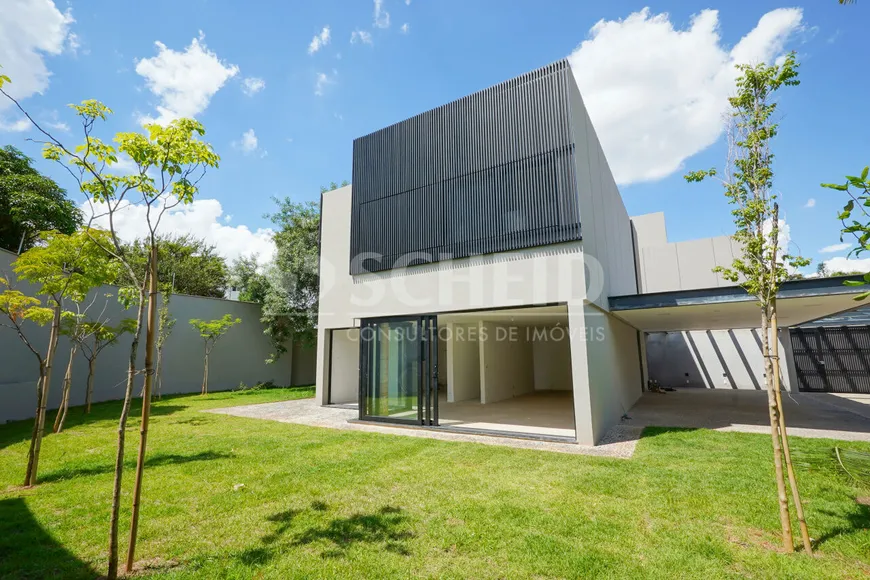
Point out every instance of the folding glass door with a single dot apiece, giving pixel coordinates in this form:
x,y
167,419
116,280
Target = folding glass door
x,y
399,370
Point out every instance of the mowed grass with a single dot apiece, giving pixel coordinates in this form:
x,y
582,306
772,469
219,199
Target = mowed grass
x,y
228,497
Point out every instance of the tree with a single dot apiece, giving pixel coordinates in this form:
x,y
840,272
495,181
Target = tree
x,y
290,305
19,308
169,163
855,218
186,265
763,266
97,335
64,267
30,203
211,331
822,270
246,277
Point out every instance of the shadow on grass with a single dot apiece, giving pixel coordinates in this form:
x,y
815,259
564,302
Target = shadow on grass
x,y
27,550
382,529
856,521
153,461
20,431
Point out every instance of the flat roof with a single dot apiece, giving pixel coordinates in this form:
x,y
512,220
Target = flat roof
x,y
798,301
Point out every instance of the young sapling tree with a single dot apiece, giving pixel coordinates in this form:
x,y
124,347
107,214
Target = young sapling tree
x,y
211,331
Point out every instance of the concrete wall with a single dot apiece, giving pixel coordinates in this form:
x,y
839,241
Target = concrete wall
x,y
462,366
605,224
606,370
545,275
240,356
552,364
506,368
664,267
344,385
714,359
649,229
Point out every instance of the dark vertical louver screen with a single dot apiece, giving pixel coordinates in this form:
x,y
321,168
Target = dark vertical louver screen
x,y
491,172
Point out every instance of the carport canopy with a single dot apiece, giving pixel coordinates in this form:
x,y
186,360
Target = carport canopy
x,y
798,302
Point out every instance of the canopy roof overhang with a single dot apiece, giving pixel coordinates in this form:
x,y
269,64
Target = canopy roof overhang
x,y
798,302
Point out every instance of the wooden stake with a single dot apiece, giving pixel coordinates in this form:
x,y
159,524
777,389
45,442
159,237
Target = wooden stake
x,y
150,336
792,479
773,410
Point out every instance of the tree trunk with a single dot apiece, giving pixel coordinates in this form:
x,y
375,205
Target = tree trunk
x,y
150,337
42,403
112,573
205,376
792,478
92,365
67,385
39,394
773,409
159,376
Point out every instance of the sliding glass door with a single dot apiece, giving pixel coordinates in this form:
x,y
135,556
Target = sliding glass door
x,y
399,370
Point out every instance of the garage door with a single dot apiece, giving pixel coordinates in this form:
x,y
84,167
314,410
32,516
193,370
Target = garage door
x,y
832,359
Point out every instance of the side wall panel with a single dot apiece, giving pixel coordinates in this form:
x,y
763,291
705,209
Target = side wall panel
x,y
606,227
240,356
713,359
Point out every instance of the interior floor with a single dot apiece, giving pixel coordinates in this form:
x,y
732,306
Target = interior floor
x,y
549,413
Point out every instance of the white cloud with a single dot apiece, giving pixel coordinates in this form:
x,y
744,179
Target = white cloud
x,y
656,94
202,219
18,126
360,36
58,126
322,81
382,17
833,248
249,142
30,30
811,202
405,28
840,264
319,40
185,81
253,85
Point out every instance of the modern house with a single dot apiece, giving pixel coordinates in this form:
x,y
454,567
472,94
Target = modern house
x,y
482,274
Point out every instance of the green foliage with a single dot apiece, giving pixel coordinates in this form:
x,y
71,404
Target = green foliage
x,y
68,266
245,277
185,265
748,180
333,186
19,307
855,217
290,305
30,203
212,330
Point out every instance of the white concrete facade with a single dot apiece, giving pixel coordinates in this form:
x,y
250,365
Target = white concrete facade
x,y
598,359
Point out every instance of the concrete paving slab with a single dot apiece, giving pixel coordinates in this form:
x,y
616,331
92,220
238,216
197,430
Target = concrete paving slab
x,y
619,443
816,415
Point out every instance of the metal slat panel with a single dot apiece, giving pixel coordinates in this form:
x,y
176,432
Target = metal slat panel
x,y
490,172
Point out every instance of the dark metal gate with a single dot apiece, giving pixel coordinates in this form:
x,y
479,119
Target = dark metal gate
x,y
832,359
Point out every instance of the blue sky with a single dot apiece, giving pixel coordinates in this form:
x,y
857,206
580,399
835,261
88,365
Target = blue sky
x,y
654,81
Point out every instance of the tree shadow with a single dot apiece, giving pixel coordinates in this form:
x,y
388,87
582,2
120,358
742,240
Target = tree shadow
x,y
27,550
19,431
157,460
382,529
856,521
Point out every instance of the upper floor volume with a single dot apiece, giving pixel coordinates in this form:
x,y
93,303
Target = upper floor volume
x,y
491,172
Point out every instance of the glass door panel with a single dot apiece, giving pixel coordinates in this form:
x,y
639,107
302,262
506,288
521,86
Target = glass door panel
x,y
396,370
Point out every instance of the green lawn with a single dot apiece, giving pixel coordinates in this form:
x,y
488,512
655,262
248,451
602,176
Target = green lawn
x,y
321,503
